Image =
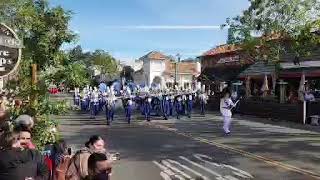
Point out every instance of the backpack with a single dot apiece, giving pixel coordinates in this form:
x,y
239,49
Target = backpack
x,y
61,169
73,171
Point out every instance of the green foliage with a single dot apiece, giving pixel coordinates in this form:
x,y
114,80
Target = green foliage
x,y
282,25
43,29
45,131
104,62
76,75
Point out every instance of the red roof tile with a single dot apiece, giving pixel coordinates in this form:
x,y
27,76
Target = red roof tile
x,y
155,55
226,48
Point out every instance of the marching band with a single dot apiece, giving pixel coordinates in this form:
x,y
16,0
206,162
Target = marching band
x,y
166,102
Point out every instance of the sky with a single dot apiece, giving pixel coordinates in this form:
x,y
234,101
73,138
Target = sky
x,y
129,29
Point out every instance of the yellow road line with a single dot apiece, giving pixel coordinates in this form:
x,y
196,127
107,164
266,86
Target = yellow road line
x,y
244,153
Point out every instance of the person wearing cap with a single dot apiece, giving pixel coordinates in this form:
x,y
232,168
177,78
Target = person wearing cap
x,y
171,104
147,108
178,106
76,96
94,103
128,109
166,107
203,102
189,105
110,105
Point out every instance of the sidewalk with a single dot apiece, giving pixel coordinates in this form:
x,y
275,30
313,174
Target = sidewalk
x,y
294,144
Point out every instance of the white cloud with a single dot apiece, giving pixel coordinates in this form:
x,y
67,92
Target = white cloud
x,y
165,27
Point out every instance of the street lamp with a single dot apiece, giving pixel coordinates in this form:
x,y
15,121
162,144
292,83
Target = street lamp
x,y
176,68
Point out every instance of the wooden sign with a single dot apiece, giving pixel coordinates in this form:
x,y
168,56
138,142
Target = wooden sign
x,y
10,50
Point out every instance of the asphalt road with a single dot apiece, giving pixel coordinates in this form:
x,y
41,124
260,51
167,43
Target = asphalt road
x,y
175,150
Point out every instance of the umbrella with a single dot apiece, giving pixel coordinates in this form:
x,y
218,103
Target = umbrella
x,y
302,87
265,86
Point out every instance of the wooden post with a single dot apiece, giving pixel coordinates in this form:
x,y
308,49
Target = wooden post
x,y
34,74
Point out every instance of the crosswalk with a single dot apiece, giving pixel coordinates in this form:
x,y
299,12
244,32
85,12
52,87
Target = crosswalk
x,y
199,167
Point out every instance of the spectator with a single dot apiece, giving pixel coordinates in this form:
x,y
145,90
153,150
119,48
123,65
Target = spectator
x,y
17,163
25,138
309,97
98,167
79,163
61,160
24,121
293,97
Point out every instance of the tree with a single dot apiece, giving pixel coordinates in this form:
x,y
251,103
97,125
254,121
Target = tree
x,y
77,55
282,26
104,62
43,28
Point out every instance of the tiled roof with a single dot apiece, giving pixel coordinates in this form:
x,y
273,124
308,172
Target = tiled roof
x,y
154,55
226,48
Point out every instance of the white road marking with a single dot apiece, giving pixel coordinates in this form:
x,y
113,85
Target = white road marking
x,y
201,166
164,168
189,169
169,165
228,177
201,156
237,172
165,176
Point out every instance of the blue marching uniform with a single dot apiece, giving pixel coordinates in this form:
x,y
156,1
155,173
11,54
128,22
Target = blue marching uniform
x,y
184,105
76,99
166,107
102,102
171,105
94,106
110,111
128,110
147,108
84,103
178,107
189,105
202,103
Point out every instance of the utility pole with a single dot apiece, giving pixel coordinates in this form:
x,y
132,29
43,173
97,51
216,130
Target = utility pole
x,y
176,68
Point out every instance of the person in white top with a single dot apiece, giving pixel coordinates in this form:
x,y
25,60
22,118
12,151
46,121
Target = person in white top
x,y
226,105
309,97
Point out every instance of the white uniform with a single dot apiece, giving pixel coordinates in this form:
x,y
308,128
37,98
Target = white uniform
x,y
225,109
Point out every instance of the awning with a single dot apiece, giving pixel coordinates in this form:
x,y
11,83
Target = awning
x,y
220,73
296,73
259,69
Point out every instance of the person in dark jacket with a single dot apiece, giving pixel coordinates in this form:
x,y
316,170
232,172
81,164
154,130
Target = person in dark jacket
x,y
98,167
17,163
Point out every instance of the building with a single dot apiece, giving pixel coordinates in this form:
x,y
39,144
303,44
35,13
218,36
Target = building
x,y
221,65
160,69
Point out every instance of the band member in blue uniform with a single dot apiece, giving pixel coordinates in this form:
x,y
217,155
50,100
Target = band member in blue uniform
x,y
76,96
166,107
147,108
94,103
171,105
110,106
203,102
189,105
83,101
178,106
128,110
184,104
